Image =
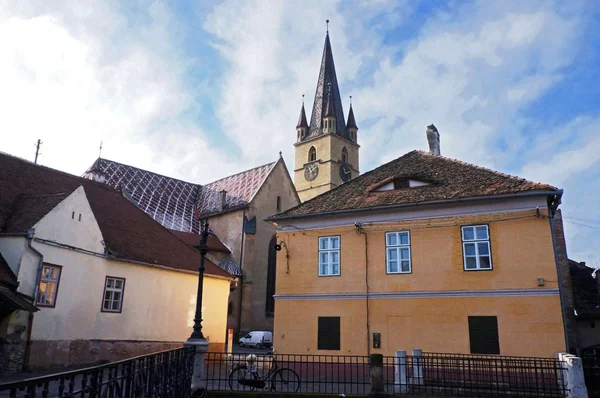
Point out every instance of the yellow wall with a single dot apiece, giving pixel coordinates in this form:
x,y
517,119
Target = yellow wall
x,y
522,251
329,155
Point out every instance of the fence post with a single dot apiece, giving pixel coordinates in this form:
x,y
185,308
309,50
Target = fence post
x,y
573,379
376,373
417,354
400,386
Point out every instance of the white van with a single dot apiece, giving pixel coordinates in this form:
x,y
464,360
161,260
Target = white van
x,y
257,339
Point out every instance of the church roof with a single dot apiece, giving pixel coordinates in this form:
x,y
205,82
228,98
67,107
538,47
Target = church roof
x,y
351,122
240,189
178,204
127,231
445,178
327,76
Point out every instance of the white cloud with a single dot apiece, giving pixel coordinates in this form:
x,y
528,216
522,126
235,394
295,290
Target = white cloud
x,y
74,76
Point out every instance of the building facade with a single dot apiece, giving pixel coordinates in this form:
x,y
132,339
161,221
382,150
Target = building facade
x,y
423,252
234,206
326,151
109,282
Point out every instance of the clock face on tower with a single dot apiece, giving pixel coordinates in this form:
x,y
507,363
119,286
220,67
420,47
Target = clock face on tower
x,y
311,171
345,172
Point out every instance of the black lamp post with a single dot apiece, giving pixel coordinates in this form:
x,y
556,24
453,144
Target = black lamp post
x,y
197,333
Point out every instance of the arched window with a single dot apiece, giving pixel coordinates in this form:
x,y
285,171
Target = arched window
x,y
344,155
271,269
312,154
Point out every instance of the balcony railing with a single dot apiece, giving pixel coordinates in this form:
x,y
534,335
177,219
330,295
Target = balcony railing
x,y
163,374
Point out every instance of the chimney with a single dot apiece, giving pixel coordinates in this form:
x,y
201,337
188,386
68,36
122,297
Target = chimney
x,y
433,136
223,199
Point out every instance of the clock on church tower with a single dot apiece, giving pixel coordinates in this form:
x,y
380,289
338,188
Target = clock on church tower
x,y
327,148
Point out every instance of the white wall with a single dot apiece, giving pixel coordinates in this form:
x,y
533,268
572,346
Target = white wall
x,y
158,303
60,225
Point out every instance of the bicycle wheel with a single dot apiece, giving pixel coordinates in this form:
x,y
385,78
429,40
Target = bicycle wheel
x,y
285,380
240,373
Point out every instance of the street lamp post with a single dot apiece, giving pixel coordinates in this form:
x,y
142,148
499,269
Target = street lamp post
x,y
197,339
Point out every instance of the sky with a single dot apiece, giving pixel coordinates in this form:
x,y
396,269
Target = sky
x,y
201,90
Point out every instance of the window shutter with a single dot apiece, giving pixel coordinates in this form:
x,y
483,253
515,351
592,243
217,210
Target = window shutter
x,y
483,335
329,333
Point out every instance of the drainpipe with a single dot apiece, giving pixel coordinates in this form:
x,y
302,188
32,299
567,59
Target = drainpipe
x,y
29,237
241,276
360,231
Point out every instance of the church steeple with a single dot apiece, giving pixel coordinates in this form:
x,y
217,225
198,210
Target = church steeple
x,y
326,149
324,99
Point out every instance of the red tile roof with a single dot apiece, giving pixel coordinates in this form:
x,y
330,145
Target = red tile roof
x,y
29,209
213,243
448,179
127,231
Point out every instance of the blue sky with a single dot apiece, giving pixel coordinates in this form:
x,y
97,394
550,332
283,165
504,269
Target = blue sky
x,y
200,90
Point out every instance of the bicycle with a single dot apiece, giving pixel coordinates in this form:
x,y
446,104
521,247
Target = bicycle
x,y
246,375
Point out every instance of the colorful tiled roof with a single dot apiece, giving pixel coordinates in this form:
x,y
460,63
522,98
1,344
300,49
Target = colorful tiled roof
x,y
168,200
447,179
128,232
176,204
240,189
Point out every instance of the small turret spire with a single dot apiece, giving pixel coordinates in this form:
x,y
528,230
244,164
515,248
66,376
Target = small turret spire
x,y
302,119
351,121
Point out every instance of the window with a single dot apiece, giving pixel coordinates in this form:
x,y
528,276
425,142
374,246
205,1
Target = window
x,y
113,294
344,155
48,288
397,252
483,335
329,333
312,154
401,183
271,275
476,248
278,204
329,256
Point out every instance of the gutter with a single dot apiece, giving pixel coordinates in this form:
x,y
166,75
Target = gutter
x,y
38,278
557,193
111,257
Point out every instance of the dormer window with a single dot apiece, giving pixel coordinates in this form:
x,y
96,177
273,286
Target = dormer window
x,y
312,154
399,183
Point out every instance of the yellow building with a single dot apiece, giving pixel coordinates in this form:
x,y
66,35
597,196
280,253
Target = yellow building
x,y
423,252
327,148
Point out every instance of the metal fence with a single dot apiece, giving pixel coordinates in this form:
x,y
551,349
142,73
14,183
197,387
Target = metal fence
x,y
164,374
590,359
427,374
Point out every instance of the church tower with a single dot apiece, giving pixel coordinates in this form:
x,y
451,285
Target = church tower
x,y
327,149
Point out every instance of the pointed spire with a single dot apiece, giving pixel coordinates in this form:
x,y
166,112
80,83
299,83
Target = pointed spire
x,y
302,119
351,122
326,100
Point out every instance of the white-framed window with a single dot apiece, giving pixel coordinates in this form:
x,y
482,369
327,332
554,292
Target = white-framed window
x,y
48,288
476,248
113,294
329,255
397,252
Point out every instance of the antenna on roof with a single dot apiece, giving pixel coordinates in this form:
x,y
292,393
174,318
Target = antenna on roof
x,y
100,153
327,21
37,150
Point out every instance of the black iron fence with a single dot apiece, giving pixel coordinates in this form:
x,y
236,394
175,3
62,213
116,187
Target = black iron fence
x,y
427,374
164,374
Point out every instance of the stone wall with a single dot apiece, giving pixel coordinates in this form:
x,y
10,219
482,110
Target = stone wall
x,y
13,342
49,354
